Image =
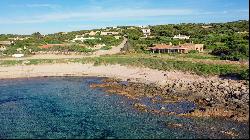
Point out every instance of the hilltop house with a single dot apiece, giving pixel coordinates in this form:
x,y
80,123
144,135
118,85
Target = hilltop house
x,y
142,26
117,37
109,33
146,32
18,38
98,46
50,45
2,48
92,33
4,44
18,55
82,38
206,26
183,48
179,36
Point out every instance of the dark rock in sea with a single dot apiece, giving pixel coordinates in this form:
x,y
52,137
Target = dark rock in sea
x,y
190,111
202,109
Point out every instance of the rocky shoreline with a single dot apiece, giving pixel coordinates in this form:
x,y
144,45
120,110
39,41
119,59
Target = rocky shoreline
x,y
213,95
228,99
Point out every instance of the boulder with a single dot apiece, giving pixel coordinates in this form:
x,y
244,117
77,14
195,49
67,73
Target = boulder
x,y
245,97
237,94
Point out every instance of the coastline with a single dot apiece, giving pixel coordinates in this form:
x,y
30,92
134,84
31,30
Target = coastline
x,y
135,74
218,97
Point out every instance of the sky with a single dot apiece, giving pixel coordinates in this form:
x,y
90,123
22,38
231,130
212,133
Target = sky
x,y
50,16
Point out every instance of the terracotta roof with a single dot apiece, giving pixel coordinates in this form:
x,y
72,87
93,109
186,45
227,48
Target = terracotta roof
x,y
161,46
182,46
187,45
50,45
164,46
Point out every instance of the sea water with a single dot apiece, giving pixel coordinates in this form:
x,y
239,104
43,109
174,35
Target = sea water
x,y
66,107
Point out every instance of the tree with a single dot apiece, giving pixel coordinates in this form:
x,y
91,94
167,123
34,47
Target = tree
x,y
37,35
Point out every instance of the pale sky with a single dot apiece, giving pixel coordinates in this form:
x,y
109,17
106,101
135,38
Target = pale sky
x,y
49,16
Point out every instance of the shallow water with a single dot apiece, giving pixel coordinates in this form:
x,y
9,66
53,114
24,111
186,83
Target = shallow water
x,y
65,107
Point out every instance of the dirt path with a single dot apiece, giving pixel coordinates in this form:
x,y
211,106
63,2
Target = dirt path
x,y
114,50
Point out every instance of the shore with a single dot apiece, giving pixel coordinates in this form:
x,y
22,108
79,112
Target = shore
x,y
215,96
136,74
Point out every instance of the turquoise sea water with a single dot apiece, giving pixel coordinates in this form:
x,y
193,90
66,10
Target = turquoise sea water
x,y
65,107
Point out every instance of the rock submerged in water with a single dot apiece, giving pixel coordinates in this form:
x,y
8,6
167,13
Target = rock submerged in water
x,y
230,133
174,125
140,107
225,98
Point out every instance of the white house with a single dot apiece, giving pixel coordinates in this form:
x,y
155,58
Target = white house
x,y
109,33
4,44
208,26
18,38
143,26
17,55
19,49
146,32
117,37
82,38
179,36
2,48
92,33
98,46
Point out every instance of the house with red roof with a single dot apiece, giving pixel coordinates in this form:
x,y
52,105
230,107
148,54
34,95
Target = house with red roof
x,y
50,45
182,48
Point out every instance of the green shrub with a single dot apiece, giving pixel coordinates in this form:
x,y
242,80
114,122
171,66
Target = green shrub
x,y
193,51
244,74
221,51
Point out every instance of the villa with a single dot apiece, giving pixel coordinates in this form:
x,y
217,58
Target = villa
x,y
50,45
92,33
4,44
18,38
181,37
109,33
206,27
98,46
17,55
2,48
117,37
82,38
146,32
143,26
184,48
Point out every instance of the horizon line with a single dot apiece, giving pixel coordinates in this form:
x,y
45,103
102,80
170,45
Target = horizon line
x,y
104,27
